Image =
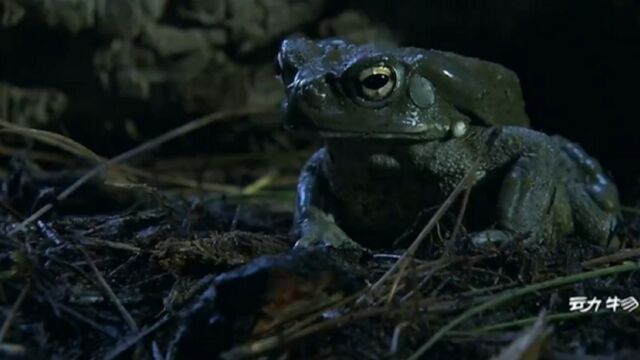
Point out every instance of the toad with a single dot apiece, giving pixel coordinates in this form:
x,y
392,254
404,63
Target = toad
x,y
402,126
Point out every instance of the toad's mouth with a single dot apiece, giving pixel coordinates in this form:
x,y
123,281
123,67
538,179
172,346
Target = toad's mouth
x,y
422,135
296,119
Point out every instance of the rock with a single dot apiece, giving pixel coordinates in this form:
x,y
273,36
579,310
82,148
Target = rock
x,y
169,40
31,107
256,23
249,300
356,27
11,13
120,18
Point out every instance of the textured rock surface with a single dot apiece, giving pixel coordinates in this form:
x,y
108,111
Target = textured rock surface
x,y
151,62
32,107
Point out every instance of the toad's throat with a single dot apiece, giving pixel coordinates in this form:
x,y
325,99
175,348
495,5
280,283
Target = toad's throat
x,y
385,161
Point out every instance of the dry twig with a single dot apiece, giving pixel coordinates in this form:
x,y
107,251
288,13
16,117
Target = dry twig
x,y
107,289
14,310
127,155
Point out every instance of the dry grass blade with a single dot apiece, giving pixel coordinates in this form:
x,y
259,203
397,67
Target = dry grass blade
x,y
263,346
133,340
624,254
183,181
261,183
630,209
530,344
50,138
46,156
92,324
530,320
107,289
458,225
442,264
512,294
408,255
395,339
71,146
14,310
153,143
13,350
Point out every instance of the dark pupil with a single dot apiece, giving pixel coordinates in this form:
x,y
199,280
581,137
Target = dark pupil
x,y
375,82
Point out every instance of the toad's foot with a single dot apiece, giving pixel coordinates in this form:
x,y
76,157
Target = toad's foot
x,y
327,235
319,230
594,197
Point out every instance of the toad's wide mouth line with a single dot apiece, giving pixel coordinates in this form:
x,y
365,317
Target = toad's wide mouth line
x,y
422,135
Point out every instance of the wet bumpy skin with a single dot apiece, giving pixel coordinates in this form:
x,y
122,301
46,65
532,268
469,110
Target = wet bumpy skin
x,y
402,126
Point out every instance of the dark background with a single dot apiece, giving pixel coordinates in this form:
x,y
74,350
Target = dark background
x,y
578,61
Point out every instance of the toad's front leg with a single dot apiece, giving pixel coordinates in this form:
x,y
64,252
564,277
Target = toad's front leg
x,y
313,223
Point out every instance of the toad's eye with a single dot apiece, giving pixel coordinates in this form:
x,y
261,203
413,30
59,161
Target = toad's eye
x,y
376,83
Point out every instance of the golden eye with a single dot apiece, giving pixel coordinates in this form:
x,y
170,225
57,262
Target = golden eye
x,y
377,82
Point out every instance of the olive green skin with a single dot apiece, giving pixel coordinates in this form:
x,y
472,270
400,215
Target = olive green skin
x,y
387,160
